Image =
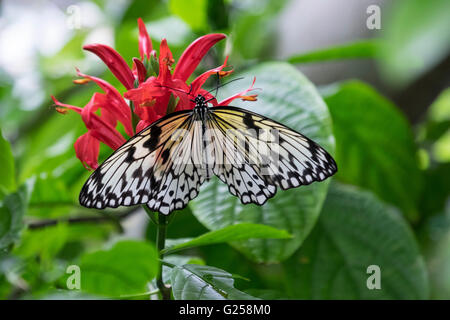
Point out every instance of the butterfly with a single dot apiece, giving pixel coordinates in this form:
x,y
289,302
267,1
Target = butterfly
x,y
164,165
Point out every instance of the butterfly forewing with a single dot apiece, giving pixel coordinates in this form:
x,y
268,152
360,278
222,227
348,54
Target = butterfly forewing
x,y
155,167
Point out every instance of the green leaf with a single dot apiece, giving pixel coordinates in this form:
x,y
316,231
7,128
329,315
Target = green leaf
x,y
7,174
192,12
438,254
12,210
196,282
178,260
417,38
288,97
355,50
125,269
45,243
355,231
242,231
267,294
375,147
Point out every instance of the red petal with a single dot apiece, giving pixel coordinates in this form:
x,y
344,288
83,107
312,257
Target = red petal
x,y
68,106
87,149
101,128
140,70
200,80
145,113
146,91
115,63
191,57
104,132
112,101
145,43
165,62
144,124
237,95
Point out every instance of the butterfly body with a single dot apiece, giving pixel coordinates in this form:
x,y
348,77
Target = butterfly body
x,y
165,164
201,107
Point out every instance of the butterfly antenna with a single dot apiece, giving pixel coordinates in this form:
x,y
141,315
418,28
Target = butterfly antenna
x,y
217,84
224,84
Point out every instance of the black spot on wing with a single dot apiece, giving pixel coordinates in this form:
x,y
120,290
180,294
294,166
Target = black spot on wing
x,y
165,156
250,123
130,154
152,142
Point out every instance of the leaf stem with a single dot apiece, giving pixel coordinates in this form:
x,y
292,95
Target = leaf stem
x,y
81,219
149,293
160,243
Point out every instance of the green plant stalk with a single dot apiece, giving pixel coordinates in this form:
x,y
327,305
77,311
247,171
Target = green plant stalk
x,y
161,222
160,244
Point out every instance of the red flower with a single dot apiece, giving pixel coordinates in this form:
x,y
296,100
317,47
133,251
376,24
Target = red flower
x,y
149,91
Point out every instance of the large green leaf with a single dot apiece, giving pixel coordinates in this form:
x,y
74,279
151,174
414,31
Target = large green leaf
x,y
375,146
177,260
196,282
7,175
125,269
242,231
355,231
286,96
355,50
438,253
12,209
417,37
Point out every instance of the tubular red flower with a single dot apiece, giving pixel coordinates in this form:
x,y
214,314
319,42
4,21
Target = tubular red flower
x,y
99,127
227,101
165,63
87,149
192,56
145,92
115,63
141,72
145,43
150,99
200,80
112,102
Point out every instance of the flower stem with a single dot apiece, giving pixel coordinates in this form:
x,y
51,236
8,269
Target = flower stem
x,y
160,243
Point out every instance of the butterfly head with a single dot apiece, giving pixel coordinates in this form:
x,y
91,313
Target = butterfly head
x,y
200,100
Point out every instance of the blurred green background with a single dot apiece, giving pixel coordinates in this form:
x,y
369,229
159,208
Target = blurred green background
x,y
376,98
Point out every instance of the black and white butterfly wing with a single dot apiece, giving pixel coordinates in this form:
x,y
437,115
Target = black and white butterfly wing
x,y
254,155
157,167
164,165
